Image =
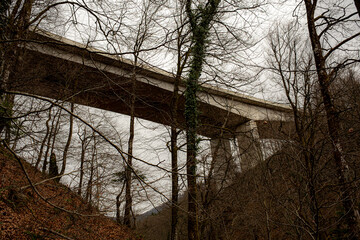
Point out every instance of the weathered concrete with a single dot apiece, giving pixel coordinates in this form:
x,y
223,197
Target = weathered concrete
x,y
223,166
249,145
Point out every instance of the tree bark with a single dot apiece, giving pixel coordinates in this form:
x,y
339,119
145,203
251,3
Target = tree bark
x,y
66,149
48,144
11,28
82,160
174,136
53,133
333,121
174,161
128,170
43,143
174,182
89,188
118,203
357,5
53,168
9,100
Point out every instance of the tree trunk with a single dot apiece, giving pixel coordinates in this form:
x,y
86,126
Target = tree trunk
x,y
43,143
174,163
48,146
357,4
200,28
9,100
333,122
173,138
89,188
11,27
53,168
174,184
82,160
66,149
53,133
118,203
128,170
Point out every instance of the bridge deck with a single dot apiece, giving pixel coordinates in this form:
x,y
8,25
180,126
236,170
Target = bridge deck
x,y
59,68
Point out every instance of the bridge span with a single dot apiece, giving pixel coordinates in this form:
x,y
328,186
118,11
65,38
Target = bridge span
x,y
59,68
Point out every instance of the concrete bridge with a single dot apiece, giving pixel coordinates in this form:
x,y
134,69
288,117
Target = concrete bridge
x,y
59,68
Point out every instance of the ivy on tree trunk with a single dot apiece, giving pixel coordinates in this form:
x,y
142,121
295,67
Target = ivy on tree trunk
x,y
200,21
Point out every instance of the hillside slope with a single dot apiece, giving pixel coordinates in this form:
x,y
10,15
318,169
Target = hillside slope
x,y
25,215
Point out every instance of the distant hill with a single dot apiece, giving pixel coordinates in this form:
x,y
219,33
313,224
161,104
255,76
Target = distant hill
x,y
24,215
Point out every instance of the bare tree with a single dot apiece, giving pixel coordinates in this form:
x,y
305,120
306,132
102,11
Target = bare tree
x,y
292,63
142,34
182,59
320,28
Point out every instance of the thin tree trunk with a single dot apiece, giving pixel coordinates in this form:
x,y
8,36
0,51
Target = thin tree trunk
x,y
173,139
56,131
128,170
53,135
66,149
48,144
174,164
5,74
82,160
88,196
44,140
53,169
118,203
9,99
98,184
128,175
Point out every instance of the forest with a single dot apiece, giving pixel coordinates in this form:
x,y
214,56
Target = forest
x,y
189,119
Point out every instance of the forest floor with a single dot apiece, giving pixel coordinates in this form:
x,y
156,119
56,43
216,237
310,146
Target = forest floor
x,y
37,212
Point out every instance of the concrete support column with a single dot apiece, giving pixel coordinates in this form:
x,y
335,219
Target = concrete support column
x,y
222,166
249,145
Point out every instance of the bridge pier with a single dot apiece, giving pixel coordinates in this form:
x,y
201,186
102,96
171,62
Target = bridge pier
x,y
248,139
222,166
249,145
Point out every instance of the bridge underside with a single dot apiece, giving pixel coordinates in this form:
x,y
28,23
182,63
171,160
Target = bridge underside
x,y
53,77
70,73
